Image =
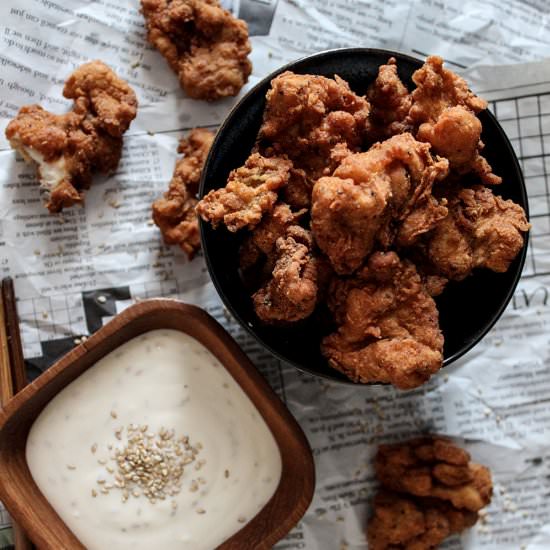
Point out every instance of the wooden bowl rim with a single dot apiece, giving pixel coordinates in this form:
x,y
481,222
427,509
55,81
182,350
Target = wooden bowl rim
x,y
298,470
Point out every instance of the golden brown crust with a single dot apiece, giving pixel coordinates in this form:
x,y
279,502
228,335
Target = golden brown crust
x,y
290,295
438,88
370,195
69,148
482,230
259,247
434,467
306,117
430,490
390,103
388,327
444,111
203,43
401,522
251,191
102,97
174,213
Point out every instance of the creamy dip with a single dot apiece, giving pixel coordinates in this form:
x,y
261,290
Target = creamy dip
x,y
155,446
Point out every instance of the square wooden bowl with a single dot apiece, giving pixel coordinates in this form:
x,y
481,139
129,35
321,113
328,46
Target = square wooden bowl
x,y
36,516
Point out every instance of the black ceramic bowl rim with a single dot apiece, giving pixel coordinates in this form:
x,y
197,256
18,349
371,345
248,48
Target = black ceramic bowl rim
x,y
229,120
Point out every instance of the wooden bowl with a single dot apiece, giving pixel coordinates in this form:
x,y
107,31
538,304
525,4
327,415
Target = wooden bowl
x,y
30,508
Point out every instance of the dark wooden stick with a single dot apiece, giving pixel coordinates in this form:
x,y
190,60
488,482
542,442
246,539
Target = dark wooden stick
x,y
18,370
13,377
6,382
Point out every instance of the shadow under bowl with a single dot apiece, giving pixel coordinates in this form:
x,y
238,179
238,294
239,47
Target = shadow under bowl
x,y
467,310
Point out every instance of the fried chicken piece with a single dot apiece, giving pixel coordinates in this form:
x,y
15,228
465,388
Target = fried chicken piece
x,y
388,327
291,294
251,192
437,89
306,116
434,467
434,284
456,135
297,192
260,244
400,522
421,220
69,148
203,43
390,103
444,112
430,490
482,230
174,213
370,195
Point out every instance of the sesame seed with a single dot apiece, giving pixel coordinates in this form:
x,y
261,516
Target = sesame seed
x,y
242,519
94,448
150,464
101,299
71,467
94,493
226,473
201,511
114,414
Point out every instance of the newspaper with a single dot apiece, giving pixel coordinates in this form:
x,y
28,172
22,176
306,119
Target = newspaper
x,y
74,272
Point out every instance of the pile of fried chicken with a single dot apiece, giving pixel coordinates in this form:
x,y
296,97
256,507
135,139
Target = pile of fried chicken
x,y
429,490
369,204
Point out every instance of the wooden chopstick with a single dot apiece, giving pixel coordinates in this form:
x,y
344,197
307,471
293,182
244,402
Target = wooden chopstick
x,y
6,381
13,377
18,370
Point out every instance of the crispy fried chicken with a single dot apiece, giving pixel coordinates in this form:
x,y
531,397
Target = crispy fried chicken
x,y
482,230
68,149
251,192
291,293
203,43
390,103
388,327
370,195
174,213
444,111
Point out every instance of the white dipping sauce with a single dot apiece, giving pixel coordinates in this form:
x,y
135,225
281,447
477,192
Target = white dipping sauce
x,y
163,378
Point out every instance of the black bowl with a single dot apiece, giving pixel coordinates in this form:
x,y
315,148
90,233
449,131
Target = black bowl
x,y
467,310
